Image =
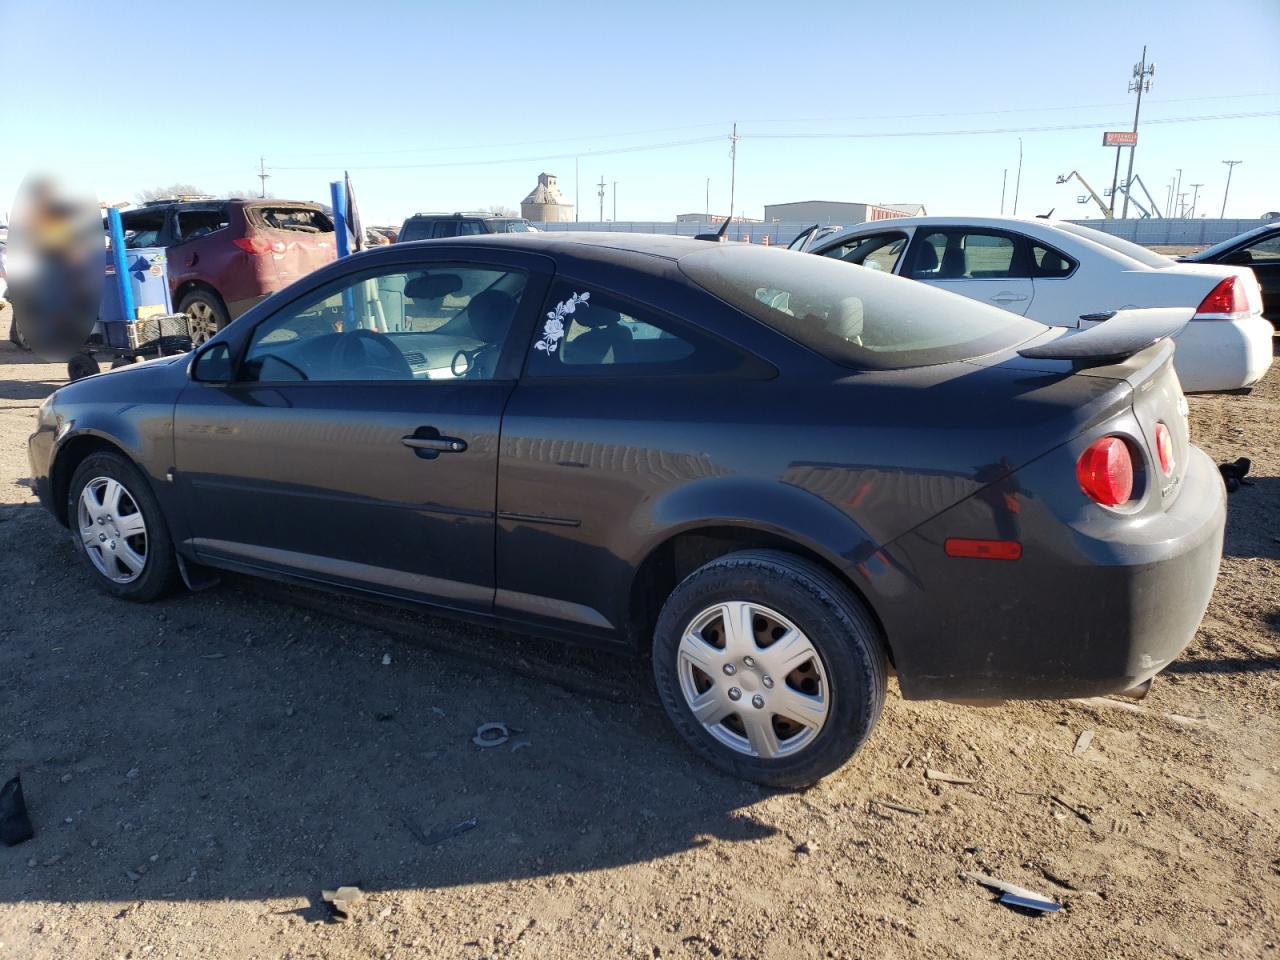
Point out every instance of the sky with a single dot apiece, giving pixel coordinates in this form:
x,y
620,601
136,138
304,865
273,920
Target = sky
x,y
451,105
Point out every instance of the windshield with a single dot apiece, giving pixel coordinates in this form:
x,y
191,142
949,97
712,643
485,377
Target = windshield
x,y
1210,252
1130,250
508,226
859,318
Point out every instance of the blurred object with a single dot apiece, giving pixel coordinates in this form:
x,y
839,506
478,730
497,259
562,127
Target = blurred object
x,y
15,824
53,265
352,213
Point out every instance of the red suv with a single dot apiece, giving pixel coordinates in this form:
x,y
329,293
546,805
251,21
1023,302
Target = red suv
x,y
226,255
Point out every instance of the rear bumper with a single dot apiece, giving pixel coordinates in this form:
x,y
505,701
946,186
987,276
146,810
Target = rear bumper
x,y
1076,616
1217,355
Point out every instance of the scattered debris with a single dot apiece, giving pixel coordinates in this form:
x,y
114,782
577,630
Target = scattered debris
x,y
1233,474
437,836
806,846
520,745
133,773
386,659
899,807
1076,810
212,656
491,735
1030,903
943,777
1108,702
15,824
1082,742
342,900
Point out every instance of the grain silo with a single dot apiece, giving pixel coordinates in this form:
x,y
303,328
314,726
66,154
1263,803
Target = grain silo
x,y
545,203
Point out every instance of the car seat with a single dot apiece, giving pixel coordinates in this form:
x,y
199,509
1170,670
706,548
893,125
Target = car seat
x,y
489,314
926,260
606,340
954,262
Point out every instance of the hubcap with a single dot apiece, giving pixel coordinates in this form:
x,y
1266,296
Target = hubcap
x,y
201,323
740,648
112,530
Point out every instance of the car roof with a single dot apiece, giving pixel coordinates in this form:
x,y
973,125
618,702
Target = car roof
x,y
571,241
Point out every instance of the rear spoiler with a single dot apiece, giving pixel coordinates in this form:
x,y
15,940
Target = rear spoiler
x,y
1118,337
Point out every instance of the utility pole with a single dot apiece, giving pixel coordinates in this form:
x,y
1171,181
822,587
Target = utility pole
x,y
1017,184
602,198
1168,199
707,215
1177,194
1004,182
1142,73
575,190
615,201
1231,165
733,167
1195,198
263,176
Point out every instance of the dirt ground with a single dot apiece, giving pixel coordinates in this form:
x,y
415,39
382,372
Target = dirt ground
x,y
199,769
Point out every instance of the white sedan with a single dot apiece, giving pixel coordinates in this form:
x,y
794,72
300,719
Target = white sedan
x,y
1067,275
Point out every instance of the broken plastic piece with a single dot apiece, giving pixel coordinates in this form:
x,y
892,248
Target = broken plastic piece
x,y
342,900
15,824
491,735
1030,903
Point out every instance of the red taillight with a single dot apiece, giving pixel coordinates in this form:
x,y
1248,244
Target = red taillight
x,y
253,244
1164,448
1224,300
983,549
1105,471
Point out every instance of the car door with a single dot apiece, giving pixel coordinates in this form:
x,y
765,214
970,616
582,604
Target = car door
x,y
988,265
1263,256
200,244
875,251
352,437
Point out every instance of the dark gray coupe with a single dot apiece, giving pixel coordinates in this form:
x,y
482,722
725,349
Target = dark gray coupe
x,y
777,475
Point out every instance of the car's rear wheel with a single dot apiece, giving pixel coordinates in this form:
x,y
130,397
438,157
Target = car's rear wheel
x,y
206,315
769,667
116,524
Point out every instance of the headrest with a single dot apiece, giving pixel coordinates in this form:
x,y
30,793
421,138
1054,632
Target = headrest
x,y
432,286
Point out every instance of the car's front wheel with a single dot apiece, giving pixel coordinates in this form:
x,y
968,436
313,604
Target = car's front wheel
x,y
116,524
770,667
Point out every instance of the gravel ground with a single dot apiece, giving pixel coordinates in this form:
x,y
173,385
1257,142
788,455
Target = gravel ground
x,y
199,769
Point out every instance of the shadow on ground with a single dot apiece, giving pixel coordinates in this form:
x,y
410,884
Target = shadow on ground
x,y
225,745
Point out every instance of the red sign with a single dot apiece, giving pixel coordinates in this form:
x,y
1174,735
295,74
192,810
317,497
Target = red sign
x,y
1120,138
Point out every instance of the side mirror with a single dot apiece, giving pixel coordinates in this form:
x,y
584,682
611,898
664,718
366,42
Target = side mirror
x,y
212,364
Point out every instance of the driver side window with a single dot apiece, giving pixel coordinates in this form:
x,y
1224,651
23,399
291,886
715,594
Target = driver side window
x,y
427,322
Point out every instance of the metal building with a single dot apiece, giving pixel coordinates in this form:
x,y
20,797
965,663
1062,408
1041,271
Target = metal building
x,y
834,211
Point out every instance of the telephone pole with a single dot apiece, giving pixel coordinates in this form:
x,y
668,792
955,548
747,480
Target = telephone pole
x,y
576,208
263,176
1231,165
1004,182
1017,183
602,198
1142,74
615,201
733,167
1195,198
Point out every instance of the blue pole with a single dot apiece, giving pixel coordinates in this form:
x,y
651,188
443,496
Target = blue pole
x,y
121,262
338,197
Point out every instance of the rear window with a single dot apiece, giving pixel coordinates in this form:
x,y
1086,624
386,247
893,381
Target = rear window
x,y
297,219
415,230
1130,250
857,317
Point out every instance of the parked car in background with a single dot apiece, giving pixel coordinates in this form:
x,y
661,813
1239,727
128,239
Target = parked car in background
x,y
431,226
226,255
772,473
1071,276
1259,250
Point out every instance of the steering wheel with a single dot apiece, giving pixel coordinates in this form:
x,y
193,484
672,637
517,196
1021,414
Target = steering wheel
x,y
351,356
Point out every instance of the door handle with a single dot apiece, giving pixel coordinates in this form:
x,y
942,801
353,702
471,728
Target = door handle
x,y
435,444
1009,297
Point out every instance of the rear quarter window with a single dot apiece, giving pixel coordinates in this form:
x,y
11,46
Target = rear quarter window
x,y
856,317
296,219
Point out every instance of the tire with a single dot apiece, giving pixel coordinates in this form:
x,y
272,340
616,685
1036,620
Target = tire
x,y
157,573
844,676
82,365
206,315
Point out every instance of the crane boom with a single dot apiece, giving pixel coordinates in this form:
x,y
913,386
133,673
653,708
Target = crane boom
x,y
1106,211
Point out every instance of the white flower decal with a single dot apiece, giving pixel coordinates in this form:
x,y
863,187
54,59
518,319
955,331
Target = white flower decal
x,y
553,329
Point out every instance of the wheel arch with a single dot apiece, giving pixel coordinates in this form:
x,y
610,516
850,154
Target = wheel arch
x,y
70,454
681,552
190,286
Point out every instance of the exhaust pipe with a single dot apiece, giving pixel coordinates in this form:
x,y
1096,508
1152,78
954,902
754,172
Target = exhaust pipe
x,y
1137,693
